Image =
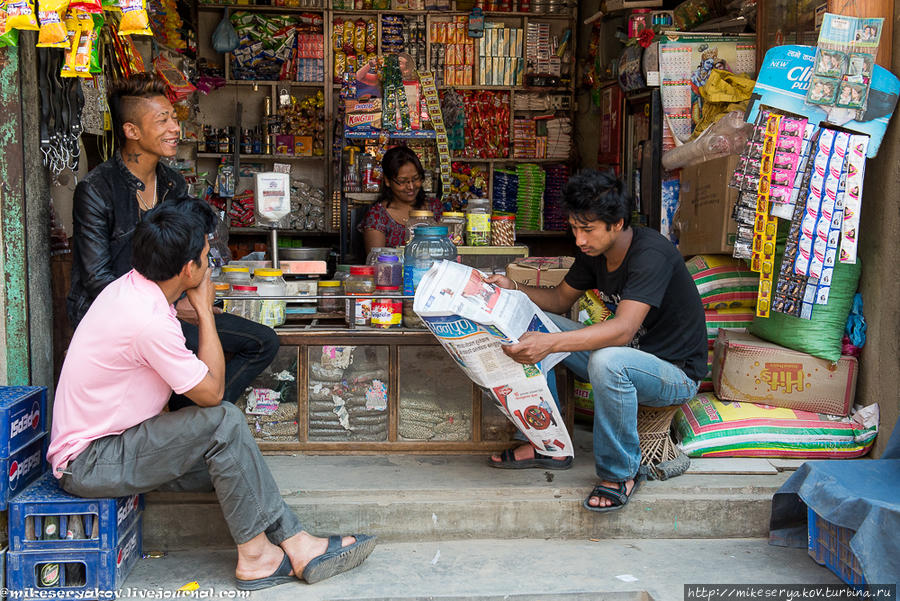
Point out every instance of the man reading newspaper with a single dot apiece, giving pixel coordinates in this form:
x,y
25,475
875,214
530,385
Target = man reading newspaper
x,y
653,351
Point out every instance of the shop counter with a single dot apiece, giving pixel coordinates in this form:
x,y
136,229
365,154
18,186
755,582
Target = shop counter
x,y
368,391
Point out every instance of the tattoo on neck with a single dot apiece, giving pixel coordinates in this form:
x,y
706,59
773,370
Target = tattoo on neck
x,y
132,157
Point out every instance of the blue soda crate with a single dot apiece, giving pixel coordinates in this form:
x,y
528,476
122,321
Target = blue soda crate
x,y
23,416
105,520
829,545
22,468
102,572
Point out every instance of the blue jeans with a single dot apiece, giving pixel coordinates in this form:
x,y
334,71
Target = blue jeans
x,y
622,378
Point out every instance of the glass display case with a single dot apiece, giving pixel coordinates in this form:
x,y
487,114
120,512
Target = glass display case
x,y
338,391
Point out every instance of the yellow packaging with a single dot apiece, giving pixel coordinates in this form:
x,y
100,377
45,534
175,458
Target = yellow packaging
x,y
53,32
20,15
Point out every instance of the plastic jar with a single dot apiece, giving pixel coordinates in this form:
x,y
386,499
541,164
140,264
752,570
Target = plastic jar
x,y
503,230
341,273
246,303
417,218
236,274
269,282
360,282
222,289
388,271
387,308
428,246
455,221
329,288
478,222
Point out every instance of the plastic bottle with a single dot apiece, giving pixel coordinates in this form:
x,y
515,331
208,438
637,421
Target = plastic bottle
x,y
269,282
361,282
429,245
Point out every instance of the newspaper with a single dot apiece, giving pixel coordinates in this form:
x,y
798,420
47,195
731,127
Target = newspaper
x,y
472,319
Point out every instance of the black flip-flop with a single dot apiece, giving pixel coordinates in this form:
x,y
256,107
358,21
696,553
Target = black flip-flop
x,y
617,495
282,575
337,559
508,461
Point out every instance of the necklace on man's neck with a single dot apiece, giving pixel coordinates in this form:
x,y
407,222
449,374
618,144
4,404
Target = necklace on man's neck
x,y
148,203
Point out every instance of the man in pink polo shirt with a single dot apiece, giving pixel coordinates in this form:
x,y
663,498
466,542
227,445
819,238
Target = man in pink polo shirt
x,y
110,436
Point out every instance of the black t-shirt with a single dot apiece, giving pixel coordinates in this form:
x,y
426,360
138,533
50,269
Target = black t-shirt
x,y
654,273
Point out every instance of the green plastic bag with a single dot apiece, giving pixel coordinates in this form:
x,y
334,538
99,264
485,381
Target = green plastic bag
x,y
820,336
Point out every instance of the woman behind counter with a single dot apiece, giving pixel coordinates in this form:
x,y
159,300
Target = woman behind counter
x,y
401,192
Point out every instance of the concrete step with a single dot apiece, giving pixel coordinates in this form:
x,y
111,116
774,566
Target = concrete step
x,y
404,498
518,570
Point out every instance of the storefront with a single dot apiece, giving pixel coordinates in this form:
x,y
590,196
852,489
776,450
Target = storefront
x,y
503,110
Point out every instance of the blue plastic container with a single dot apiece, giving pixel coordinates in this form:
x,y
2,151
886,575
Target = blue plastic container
x,y
105,520
104,571
22,468
829,545
23,416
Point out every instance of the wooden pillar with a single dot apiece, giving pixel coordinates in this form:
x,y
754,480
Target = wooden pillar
x,y
871,8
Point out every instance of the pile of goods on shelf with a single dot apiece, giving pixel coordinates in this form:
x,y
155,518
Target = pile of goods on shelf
x,y
278,47
500,55
354,43
452,52
404,34
485,119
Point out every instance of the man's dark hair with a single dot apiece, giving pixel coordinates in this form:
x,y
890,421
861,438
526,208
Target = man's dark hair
x,y
124,98
591,195
170,235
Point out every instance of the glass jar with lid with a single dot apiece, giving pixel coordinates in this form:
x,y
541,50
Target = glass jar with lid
x,y
429,246
245,302
222,289
270,282
342,272
236,274
417,218
330,288
360,283
455,221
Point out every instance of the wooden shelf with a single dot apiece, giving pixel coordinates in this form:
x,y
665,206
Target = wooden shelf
x,y
253,231
449,13
541,233
281,157
290,10
507,160
275,82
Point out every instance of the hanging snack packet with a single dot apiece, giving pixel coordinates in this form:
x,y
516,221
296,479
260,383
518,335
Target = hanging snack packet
x,y
177,86
134,18
8,37
20,15
359,39
82,65
88,6
337,35
53,28
73,28
99,21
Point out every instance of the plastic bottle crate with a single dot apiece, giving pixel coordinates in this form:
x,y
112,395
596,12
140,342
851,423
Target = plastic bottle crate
x,y
104,520
103,571
829,545
23,416
22,468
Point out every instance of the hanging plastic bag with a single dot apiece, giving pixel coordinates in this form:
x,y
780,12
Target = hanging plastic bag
x,y
8,37
225,38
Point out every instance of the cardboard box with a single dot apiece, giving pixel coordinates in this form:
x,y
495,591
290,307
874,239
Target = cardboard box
x,y
303,146
545,272
705,206
748,369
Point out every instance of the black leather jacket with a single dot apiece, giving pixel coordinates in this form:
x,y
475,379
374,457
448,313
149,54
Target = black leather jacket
x,y
105,215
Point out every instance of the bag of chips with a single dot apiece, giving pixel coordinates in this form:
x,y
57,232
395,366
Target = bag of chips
x,y
134,18
53,34
20,15
177,86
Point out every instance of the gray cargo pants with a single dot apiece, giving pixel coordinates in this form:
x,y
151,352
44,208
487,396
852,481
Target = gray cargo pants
x,y
193,449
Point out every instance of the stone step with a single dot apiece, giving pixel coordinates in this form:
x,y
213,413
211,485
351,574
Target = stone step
x,y
512,570
442,498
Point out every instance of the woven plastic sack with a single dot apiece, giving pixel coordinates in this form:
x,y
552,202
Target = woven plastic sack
x,y
709,427
821,335
723,282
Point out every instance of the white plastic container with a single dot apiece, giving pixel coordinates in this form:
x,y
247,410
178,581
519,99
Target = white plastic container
x,y
269,282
